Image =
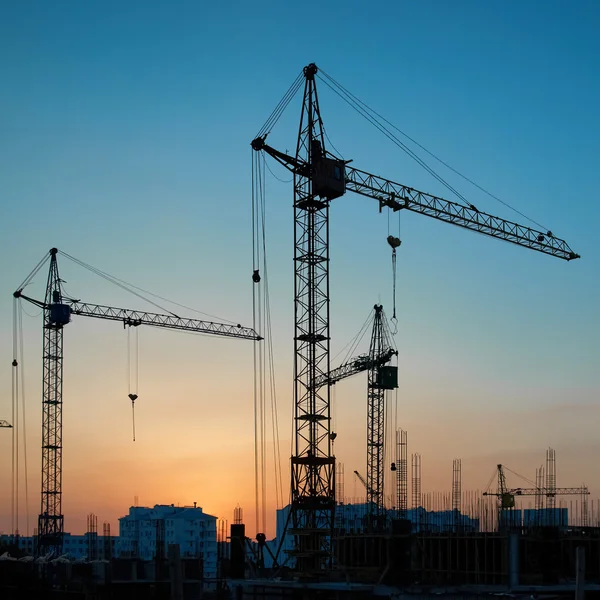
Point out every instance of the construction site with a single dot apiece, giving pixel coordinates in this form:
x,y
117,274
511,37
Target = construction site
x,y
519,536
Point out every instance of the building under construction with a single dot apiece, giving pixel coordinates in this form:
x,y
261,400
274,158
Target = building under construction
x,y
454,544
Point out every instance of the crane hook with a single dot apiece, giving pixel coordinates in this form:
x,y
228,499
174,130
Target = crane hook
x,y
394,242
133,398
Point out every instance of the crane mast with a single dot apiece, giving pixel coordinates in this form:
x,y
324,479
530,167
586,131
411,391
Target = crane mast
x,y
57,311
312,465
51,519
320,177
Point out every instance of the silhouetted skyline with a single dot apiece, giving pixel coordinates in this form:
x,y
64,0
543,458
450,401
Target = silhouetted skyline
x,y
125,142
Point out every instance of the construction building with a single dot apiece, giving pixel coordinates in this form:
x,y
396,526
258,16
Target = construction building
x,y
145,533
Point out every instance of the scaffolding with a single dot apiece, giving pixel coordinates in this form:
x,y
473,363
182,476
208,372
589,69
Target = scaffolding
x,y
238,515
550,479
401,473
92,537
416,480
339,483
456,491
106,539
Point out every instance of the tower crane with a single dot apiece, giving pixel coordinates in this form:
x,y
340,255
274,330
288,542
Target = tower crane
x,y
355,365
376,358
374,518
318,178
506,497
57,312
5,424
381,377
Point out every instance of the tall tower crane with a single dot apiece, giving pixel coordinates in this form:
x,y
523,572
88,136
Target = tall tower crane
x,y
57,310
377,357
381,378
320,177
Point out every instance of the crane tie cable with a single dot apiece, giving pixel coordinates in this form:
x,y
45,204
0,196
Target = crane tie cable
x,y
281,106
126,286
479,187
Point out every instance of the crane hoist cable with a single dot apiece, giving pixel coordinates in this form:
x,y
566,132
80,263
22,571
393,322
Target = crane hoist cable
x,y
133,395
19,429
394,243
15,424
258,355
265,392
21,369
269,386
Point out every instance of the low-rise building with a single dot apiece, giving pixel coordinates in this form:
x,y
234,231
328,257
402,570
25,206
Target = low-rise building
x,y
146,533
76,547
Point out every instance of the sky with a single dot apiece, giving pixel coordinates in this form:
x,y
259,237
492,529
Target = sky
x,y
124,141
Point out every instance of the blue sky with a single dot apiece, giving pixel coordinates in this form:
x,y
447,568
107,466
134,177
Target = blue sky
x,y
124,140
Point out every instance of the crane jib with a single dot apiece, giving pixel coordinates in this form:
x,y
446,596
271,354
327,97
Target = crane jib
x,y
396,196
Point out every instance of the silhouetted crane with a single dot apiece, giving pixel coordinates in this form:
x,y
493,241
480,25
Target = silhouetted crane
x,y
506,497
319,177
57,310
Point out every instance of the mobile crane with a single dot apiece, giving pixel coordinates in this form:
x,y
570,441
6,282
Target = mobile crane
x,y
57,311
318,178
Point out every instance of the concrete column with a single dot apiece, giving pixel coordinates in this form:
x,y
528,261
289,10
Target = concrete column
x,y
580,573
513,560
175,572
